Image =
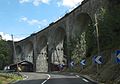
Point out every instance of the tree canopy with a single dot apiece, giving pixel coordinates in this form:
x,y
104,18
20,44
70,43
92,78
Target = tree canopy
x,y
5,56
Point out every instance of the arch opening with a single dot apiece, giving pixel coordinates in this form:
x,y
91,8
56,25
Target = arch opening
x,y
19,53
79,39
29,52
57,48
82,22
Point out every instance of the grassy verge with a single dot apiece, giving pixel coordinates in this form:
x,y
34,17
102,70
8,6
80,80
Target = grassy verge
x,y
6,78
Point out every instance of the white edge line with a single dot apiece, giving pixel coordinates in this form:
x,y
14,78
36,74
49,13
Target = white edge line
x,y
46,79
82,78
85,80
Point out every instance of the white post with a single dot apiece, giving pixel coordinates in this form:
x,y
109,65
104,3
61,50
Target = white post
x,y
14,49
97,34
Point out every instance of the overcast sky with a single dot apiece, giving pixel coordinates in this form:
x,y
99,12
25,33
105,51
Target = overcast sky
x,y
24,17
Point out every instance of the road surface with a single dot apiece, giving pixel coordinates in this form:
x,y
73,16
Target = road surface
x,y
41,78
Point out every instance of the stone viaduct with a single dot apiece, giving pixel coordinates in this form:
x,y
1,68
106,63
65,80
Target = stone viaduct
x,y
47,46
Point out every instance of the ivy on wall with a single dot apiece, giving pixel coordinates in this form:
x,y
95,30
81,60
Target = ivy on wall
x,y
78,48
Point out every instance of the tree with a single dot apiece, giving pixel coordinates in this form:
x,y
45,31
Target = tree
x,y
109,27
4,54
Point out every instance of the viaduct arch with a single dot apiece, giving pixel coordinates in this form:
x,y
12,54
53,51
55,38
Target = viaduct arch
x,y
48,45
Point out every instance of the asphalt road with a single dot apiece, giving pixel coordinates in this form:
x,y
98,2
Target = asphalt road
x,y
41,78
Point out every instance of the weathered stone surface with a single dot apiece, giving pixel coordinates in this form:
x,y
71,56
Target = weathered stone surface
x,y
46,46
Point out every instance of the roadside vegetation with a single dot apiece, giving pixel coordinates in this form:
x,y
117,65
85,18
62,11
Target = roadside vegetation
x,y
6,78
84,46
5,54
6,59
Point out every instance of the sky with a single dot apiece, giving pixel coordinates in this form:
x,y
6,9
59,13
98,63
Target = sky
x,y
24,17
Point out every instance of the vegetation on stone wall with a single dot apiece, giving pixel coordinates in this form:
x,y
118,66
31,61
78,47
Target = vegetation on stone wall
x,y
109,27
109,38
109,34
109,30
78,48
91,43
5,56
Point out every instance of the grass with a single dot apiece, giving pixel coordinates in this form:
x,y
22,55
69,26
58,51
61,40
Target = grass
x,y
6,78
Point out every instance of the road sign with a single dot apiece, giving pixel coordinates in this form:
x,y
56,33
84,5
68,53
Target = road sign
x,y
83,62
98,59
118,56
72,63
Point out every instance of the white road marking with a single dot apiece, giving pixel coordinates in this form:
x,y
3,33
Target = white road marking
x,y
46,79
85,80
77,76
26,77
71,73
82,78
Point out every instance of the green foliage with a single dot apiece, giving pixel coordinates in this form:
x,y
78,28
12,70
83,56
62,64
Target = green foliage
x,y
78,47
4,54
109,34
7,78
109,31
109,28
85,44
90,40
0,82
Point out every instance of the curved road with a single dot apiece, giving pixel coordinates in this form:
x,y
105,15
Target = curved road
x,y
41,78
